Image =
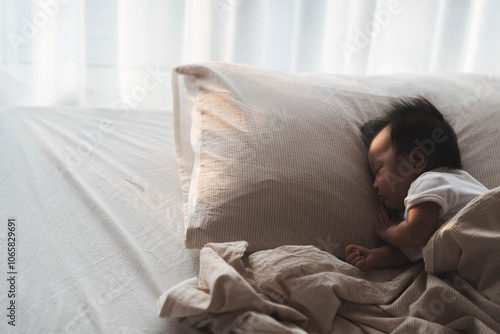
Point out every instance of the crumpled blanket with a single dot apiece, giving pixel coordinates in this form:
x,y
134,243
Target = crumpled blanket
x,y
301,289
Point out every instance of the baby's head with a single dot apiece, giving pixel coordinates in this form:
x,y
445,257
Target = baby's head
x,y
412,138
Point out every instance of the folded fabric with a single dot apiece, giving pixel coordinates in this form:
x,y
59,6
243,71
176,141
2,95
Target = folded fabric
x,y
300,289
469,244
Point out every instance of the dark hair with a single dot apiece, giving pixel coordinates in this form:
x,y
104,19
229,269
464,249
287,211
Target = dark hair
x,y
415,122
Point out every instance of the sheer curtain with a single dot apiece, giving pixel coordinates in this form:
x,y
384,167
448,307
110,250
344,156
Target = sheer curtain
x,y
120,52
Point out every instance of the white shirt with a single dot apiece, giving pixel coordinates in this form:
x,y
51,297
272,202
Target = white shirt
x,y
452,189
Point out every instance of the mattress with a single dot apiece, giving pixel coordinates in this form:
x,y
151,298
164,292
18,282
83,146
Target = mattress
x,y
92,221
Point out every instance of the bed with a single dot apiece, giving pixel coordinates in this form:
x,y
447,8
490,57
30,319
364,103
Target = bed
x,y
96,202
199,219
276,185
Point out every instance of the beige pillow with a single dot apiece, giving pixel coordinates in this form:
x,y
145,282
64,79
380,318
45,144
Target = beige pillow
x,y
275,158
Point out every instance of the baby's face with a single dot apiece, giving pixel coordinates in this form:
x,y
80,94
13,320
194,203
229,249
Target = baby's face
x,y
390,184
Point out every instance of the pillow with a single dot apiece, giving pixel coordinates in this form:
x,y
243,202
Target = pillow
x,y
275,158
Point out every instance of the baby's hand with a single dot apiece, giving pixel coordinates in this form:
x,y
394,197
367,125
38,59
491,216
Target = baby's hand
x,y
382,222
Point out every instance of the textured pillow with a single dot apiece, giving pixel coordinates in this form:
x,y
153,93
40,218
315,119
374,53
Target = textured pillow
x,y
275,158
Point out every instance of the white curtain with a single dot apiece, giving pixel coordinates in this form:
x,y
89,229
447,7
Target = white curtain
x,y
110,53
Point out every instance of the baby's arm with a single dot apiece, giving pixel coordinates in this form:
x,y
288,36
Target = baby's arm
x,y
413,232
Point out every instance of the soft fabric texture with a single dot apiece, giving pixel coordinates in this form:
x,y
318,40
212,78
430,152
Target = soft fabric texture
x,y
276,159
300,289
99,232
451,189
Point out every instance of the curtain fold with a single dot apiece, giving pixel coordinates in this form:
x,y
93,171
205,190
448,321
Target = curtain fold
x,y
121,52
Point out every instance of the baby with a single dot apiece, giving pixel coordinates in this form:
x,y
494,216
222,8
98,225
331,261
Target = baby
x,y
413,154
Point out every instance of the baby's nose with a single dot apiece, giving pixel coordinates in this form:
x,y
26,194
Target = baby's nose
x,y
375,186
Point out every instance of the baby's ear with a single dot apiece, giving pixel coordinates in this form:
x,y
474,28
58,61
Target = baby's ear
x,y
418,159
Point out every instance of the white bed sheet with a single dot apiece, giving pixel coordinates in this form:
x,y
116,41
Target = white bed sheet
x,y
97,201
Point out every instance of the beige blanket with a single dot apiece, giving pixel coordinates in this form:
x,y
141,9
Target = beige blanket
x,y
300,289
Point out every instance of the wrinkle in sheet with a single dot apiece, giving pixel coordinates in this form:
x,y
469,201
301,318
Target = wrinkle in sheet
x,y
91,247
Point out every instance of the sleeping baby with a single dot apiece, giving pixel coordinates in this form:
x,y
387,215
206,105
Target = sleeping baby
x,y
414,156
